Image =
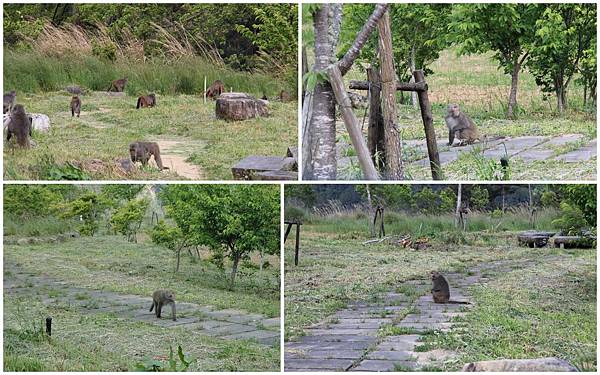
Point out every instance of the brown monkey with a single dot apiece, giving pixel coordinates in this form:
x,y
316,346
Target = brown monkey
x,y
146,101
19,125
216,89
75,105
118,85
284,96
141,151
461,126
10,100
441,290
161,298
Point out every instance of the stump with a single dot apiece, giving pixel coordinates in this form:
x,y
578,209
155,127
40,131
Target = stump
x,y
236,106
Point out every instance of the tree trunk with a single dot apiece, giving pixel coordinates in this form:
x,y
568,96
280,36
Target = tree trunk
x,y
304,71
178,259
514,82
413,94
320,150
370,205
458,204
561,94
234,268
393,147
262,260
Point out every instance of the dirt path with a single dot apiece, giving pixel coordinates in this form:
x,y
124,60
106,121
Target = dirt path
x,y
349,340
174,156
228,324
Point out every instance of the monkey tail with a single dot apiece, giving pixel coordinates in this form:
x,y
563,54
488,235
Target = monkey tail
x,y
139,102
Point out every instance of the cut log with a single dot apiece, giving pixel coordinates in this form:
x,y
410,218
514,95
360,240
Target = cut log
x,y
246,168
570,242
533,239
238,106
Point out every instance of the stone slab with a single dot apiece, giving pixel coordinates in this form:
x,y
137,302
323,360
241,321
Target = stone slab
x,y
390,355
341,331
321,364
583,154
228,330
245,168
331,354
376,365
327,345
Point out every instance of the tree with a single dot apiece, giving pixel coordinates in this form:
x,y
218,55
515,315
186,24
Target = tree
x,y
447,199
318,111
127,220
480,197
564,33
588,68
119,192
584,197
426,201
169,237
27,201
508,30
87,208
231,220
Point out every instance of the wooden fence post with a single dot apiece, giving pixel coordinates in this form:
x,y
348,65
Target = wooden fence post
x,y
425,105
375,135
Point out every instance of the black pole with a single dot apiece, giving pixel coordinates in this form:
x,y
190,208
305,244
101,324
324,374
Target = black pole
x,y
297,244
49,326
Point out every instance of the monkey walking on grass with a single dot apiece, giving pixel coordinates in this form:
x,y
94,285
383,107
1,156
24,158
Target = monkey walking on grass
x,y
141,151
441,290
162,298
75,106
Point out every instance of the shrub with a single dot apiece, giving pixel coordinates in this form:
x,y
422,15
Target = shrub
x,y
571,220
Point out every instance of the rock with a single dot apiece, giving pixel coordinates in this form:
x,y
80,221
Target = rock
x,y
550,364
40,122
292,152
24,241
126,165
73,234
236,106
275,176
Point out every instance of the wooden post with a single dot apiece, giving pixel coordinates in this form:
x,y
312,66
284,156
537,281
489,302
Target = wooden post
x,y
341,96
393,146
434,157
287,231
458,204
400,86
49,326
204,89
297,250
381,225
375,134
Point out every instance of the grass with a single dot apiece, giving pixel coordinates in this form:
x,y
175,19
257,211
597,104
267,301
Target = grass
x,y
104,342
108,124
37,226
548,308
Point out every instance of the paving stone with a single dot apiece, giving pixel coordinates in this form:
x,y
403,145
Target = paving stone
x,y
271,322
357,331
327,345
390,355
376,365
332,354
583,154
321,364
210,324
246,318
229,329
257,335
338,338
400,343
370,325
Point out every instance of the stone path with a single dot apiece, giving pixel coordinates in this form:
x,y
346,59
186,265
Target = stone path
x,y
228,324
351,341
529,149
174,155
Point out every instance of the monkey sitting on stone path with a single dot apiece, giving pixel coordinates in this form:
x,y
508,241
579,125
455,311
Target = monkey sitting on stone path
x,y
141,151
441,290
161,298
460,126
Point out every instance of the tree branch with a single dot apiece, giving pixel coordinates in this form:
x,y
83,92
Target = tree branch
x,y
346,62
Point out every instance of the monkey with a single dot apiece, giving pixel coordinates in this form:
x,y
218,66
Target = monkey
x,y
75,105
141,151
461,126
9,101
20,126
146,101
161,298
118,85
284,96
216,89
441,290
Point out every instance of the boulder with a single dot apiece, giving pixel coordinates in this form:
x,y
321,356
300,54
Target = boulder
x,y
237,106
40,122
246,168
550,364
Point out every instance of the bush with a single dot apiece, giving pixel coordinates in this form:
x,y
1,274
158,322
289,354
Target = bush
x,y
294,214
572,220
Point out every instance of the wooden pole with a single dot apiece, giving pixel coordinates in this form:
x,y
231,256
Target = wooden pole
x,y
434,157
341,96
204,89
400,86
375,133
393,147
287,232
297,250
458,204
382,225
